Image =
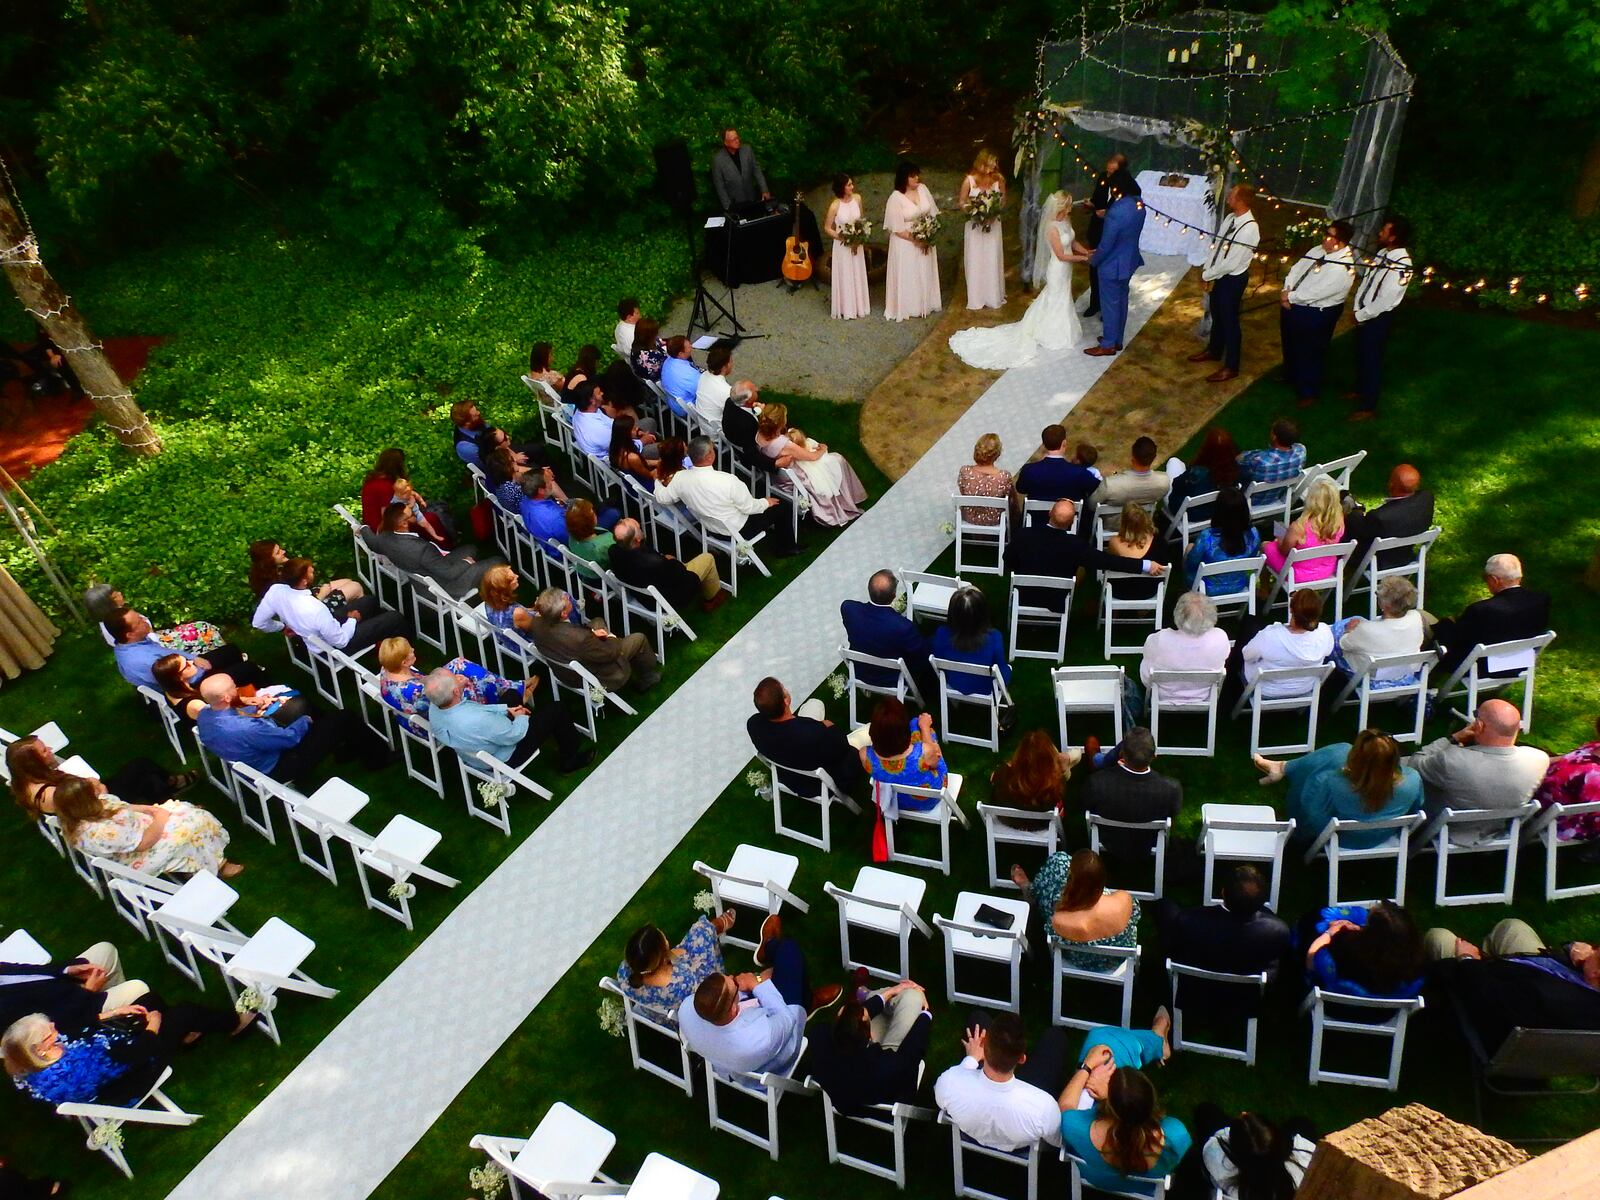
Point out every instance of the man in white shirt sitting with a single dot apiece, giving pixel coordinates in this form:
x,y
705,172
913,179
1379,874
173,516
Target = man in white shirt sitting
x,y
713,390
1380,293
1224,276
1313,297
627,318
723,504
591,425
1000,1096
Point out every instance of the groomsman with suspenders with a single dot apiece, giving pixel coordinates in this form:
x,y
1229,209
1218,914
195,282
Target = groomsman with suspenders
x,y
1225,275
1380,293
1313,296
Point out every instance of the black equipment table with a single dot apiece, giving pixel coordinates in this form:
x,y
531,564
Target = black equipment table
x,y
748,247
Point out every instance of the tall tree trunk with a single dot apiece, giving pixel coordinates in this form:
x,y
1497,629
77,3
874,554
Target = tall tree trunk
x,y
42,296
1586,196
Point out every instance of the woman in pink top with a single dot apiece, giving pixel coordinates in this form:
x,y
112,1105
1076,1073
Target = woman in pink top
x,y
1322,524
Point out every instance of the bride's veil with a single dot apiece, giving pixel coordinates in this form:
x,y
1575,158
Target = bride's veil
x,y
1042,254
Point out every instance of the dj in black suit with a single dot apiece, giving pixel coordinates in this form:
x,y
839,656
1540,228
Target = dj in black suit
x,y
1099,200
1511,612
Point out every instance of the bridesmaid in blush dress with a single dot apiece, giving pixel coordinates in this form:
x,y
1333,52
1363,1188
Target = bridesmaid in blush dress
x,y
848,264
985,262
912,288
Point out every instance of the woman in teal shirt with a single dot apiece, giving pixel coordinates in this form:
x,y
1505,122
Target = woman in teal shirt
x,y
1125,1137
1360,782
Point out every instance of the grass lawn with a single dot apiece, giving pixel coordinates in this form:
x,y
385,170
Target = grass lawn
x,y
1496,414
356,948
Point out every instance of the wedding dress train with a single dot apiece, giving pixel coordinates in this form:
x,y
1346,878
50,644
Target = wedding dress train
x,y
1050,324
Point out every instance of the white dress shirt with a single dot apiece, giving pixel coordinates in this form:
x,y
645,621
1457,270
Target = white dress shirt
x,y
1275,648
717,499
302,612
1008,1116
710,394
1320,279
1234,247
622,335
1385,283
592,432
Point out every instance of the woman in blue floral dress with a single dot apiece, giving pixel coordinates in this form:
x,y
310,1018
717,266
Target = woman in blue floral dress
x,y
1079,911
663,976
401,682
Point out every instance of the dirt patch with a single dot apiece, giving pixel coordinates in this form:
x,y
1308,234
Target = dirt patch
x,y
35,430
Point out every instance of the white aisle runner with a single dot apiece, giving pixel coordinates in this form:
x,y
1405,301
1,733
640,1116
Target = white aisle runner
x,y
346,1116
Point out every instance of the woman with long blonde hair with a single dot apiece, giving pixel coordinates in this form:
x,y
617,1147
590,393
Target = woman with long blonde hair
x,y
1051,322
1322,524
984,259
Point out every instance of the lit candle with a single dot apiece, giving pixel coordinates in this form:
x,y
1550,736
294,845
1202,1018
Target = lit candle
x,y
1250,63
1194,46
1238,49
1172,56
1185,56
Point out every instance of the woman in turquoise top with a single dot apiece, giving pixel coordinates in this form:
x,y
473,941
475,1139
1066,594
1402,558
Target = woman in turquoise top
x,y
1360,782
1230,536
1079,910
904,751
663,976
1123,1138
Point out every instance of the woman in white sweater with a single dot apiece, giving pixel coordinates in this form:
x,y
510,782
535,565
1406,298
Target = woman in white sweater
x,y
1357,641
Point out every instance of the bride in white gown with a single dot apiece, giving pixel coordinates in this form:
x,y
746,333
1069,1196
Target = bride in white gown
x,y
1051,322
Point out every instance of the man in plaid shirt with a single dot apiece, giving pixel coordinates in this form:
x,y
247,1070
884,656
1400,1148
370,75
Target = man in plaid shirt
x,y
1283,459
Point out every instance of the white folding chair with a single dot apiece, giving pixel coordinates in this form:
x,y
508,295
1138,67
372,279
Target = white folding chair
x,y
1284,584
1122,965
649,605
82,865
1141,612
967,937
580,578
218,771
928,595
1017,827
767,1089
639,1018
564,1153
756,879
328,663
821,791
1035,616
494,783
856,663
1161,703
418,747
665,519
93,1116
1250,989
1491,667
395,854
881,902
593,696
268,962
134,894
1395,843
946,806
257,794
169,720
320,815
992,699
662,1178
1141,1187
1241,600
975,540
1364,576
1387,1022
20,946
1255,698
1339,470
1243,833
1390,678
1088,690
891,1119
1269,501
1157,831
961,1145
433,611
199,906
1545,828
1478,831
366,569
1037,512
1187,523
736,549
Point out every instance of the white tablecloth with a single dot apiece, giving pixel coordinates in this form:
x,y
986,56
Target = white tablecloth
x,y
1183,204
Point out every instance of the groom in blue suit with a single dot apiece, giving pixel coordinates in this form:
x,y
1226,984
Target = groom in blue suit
x,y
1116,259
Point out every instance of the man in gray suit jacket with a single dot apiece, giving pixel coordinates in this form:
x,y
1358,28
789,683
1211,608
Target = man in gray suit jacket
x,y
736,175
457,572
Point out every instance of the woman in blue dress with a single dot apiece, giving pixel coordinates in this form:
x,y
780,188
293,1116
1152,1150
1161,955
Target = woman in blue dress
x,y
662,976
1079,911
1360,951
1363,781
969,636
401,683
904,751
1125,1136
1230,536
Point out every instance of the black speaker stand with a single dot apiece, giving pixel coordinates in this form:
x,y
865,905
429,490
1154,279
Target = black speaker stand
x,y
701,314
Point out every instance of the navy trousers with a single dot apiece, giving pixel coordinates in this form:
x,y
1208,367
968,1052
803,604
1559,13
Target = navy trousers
x,y
1306,332
1371,337
1227,337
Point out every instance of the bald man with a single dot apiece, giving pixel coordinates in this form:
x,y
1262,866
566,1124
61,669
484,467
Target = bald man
x,y
1407,511
1053,549
1510,613
1480,766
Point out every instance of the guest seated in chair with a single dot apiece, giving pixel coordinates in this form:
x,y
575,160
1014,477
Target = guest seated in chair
x,y
1400,630
802,739
735,1037
836,492
876,627
1574,778
290,606
713,388
100,600
1079,910
1194,643
679,376
638,564
1359,782
1229,536
663,976
1407,511
1215,467
1130,789
236,732
1053,550
1034,779
874,1052
72,994
1304,640
136,648
617,662
649,353
968,636
36,773
1053,476
1240,936
539,369
1322,524
1511,612
724,505
1140,484
1001,1096
904,751
1357,951
1126,1135
171,838
1109,1048
982,478
511,733
401,684
1136,539
1283,458
180,685
268,560
1250,1156
503,473
457,571
1480,766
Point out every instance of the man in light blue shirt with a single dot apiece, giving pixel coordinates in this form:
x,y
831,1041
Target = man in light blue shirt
x,y
137,653
544,507
591,425
680,378
720,1023
255,741
512,734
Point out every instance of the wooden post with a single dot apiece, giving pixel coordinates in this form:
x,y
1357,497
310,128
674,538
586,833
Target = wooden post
x,y
42,296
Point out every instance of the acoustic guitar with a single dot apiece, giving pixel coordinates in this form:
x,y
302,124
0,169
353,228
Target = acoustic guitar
x,y
797,264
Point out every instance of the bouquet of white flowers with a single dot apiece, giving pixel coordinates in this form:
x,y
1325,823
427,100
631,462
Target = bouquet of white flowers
x,y
983,208
925,230
854,234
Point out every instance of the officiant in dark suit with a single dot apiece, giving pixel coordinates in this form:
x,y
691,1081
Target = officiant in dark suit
x,y
736,175
1099,200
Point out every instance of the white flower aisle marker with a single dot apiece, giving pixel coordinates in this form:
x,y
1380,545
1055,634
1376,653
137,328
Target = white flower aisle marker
x,y
402,891
252,1001
597,696
491,793
106,1136
838,685
705,902
611,1019
948,528
488,1179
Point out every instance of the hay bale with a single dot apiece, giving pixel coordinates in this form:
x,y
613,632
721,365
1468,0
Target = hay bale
x,y
1407,1153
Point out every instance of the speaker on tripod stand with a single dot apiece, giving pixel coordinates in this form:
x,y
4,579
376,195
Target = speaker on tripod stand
x,y
675,183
